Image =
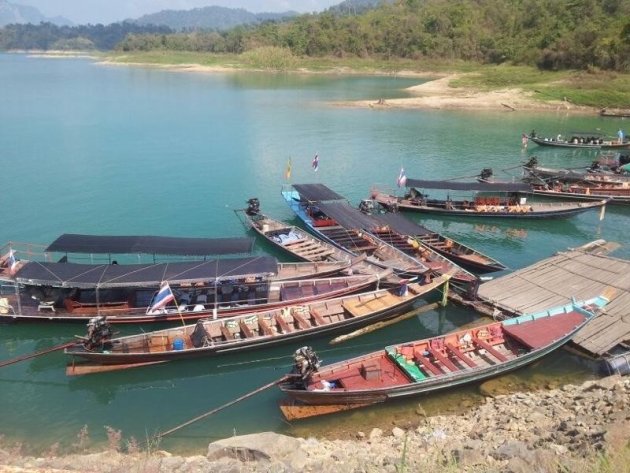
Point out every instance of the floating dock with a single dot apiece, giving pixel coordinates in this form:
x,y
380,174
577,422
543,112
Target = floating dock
x,y
580,273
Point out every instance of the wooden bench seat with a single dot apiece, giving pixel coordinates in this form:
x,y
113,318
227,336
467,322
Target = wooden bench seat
x,y
284,326
427,364
459,354
319,320
265,329
302,322
226,333
443,359
247,331
490,349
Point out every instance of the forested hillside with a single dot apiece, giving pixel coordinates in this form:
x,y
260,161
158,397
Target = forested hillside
x,y
552,34
45,36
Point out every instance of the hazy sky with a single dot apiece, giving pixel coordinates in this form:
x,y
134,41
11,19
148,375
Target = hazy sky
x,y
110,11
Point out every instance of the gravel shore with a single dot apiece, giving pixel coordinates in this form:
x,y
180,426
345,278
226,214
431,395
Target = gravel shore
x,y
573,428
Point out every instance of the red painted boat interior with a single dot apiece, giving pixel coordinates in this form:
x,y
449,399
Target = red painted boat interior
x,y
544,331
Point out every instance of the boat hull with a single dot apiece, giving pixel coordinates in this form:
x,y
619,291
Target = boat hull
x,y
439,208
442,362
566,144
353,312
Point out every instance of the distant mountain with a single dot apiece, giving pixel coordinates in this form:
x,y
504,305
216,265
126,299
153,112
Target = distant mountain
x,y
22,14
355,7
211,18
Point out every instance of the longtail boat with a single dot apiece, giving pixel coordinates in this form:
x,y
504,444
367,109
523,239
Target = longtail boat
x,y
315,205
291,239
431,364
582,192
588,176
127,293
463,255
211,337
301,244
484,199
594,141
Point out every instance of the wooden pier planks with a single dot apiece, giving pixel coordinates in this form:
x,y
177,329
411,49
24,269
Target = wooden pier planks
x,y
555,280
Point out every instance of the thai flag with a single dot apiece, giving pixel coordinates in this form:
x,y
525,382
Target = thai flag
x,y
162,298
315,163
12,261
402,179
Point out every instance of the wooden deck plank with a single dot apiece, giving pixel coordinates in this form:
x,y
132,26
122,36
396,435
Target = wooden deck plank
x,y
555,280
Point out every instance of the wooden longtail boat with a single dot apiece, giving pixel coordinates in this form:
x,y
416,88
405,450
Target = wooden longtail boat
x,y
211,337
463,255
291,239
588,176
584,192
301,244
428,365
310,202
581,141
68,292
488,200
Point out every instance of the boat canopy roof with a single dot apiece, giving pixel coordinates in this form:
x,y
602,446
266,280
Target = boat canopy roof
x,y
316,192
347,216
470,186
402,224
90,276
75,243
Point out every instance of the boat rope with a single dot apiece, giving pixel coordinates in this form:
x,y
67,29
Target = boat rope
x,y
28,356
224,406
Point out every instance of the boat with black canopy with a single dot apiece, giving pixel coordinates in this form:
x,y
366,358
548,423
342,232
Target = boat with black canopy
x,y
455,251
344,221
478,199
44,290
593,174
98,352
581,140
329,216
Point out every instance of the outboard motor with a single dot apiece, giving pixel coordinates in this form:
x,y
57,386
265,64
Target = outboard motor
x,y
366,206
99,333
305,362
253,206
532,163
486,174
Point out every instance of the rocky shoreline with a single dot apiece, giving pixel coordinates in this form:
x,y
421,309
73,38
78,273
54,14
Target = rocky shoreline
x,y
567,429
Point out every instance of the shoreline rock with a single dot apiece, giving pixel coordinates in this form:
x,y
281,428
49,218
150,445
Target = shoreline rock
x,y
567,426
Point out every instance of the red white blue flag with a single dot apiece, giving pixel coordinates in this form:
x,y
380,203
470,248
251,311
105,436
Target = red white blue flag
x,y
315,163
162,298
402,178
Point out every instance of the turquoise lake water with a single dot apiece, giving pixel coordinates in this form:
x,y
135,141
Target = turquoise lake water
x,y
87,148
